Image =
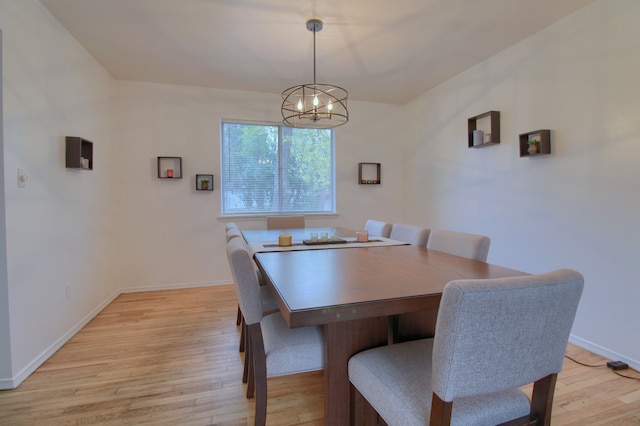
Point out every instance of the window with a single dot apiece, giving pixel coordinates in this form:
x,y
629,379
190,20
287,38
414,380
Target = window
x,y
270,168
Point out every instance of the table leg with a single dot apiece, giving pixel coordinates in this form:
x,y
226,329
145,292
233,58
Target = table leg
x,y
414,325
342,340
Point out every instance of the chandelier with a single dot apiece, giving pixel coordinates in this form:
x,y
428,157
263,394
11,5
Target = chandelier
x,y
317,105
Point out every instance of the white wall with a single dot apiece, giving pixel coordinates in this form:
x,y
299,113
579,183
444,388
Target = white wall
x,y
576,208
171,233
58,228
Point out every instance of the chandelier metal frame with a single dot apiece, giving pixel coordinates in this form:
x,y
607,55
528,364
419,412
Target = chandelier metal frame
x,y
317,105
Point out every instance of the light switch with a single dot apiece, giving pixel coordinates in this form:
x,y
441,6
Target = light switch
x,y
22,178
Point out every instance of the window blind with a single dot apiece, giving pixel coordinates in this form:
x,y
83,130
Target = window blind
x,y
268,168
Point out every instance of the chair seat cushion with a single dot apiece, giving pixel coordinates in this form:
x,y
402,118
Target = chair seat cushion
x,y
396,380
291,350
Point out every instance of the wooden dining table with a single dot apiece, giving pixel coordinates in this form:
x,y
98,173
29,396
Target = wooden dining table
x,y
353,293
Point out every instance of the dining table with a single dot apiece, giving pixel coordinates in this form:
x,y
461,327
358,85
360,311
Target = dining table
x,y
363,296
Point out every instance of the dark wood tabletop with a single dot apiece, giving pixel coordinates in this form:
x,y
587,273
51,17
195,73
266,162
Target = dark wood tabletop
x,y
319,287
353,292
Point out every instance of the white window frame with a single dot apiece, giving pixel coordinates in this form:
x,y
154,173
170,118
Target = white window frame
x,y
224,210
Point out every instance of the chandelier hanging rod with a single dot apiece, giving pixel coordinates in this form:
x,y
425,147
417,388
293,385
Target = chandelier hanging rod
x,y
314,25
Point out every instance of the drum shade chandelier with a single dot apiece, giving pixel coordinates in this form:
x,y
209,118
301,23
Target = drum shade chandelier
x,y
317,105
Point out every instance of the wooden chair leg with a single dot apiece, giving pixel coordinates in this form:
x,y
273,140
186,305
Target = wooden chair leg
x,y
541,403
247,358
259,362
440,411
238,316
251,384
242,334
542,399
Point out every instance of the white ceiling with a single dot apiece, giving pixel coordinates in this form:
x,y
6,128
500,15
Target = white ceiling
x,y
379,50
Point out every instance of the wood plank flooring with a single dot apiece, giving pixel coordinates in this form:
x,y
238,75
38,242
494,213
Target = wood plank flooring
x,y
171,358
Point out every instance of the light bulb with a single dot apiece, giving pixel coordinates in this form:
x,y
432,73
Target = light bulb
x,y
300,104
329,106
315,101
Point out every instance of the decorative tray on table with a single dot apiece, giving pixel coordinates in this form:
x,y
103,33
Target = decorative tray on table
x,y
321,243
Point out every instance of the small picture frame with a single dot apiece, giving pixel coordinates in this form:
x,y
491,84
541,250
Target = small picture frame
x,y
204,182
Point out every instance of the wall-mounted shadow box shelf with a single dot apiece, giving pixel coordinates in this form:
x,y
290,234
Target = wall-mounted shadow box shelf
x,y
169,167
78,153
544,146
369,173
204,182
489,124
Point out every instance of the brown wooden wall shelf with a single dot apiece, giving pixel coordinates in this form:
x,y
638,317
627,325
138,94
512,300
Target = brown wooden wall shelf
x,y
169,167
543,146
204,182
78,153
369,174
487,123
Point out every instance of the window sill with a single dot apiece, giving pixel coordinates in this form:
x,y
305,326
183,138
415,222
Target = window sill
x,y
262,217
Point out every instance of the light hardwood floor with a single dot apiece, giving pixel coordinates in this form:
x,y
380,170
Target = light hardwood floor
x,y
171,358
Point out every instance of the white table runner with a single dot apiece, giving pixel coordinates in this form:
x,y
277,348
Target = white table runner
x,y
266,246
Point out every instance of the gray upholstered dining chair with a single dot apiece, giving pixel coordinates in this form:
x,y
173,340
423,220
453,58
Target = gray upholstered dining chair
x,y
233,233
471,246
268,302
272,348
377,228
411,234
285,222
269,306
492,337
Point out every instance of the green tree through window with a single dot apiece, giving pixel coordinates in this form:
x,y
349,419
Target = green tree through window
x,y
269,168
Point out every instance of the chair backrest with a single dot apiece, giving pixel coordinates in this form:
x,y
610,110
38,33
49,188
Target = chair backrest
x,y
499,334
377,228
410,234
233,233
471,246
230,225
285,222
245,279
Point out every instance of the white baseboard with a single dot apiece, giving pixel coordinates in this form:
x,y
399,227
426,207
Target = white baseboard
x,y
174,286
599,350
